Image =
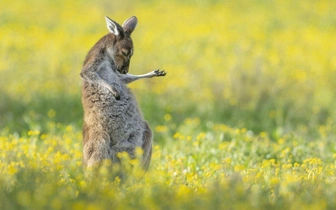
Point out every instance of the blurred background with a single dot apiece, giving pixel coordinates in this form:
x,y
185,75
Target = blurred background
x,y
267,66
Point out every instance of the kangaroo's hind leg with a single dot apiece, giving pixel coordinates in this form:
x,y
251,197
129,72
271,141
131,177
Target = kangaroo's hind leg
x,y
97,147
147,146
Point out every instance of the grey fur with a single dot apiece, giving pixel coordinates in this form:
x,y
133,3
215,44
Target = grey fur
x,y
113,122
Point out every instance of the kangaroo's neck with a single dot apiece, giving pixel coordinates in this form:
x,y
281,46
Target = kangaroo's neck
x,y
98,52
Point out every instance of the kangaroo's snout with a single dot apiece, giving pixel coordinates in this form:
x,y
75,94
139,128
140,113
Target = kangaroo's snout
x,y
124,68
125,71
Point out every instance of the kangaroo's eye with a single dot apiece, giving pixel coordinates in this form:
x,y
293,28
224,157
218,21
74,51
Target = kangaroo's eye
x,y
124,52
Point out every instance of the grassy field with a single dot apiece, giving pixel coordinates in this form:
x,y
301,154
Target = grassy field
x,y
244,119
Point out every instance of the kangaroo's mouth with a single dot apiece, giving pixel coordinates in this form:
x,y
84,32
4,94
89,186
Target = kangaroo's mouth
x,y
122,70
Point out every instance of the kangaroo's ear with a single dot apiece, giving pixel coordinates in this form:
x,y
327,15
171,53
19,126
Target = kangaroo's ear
x,y
129,25
114,27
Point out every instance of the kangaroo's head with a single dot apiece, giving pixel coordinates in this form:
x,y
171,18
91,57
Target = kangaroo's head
x,y
121,50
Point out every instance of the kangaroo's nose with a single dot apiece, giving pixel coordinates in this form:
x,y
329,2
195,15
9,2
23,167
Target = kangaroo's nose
x,y
125,70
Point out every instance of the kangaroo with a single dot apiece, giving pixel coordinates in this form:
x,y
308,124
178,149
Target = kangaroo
x,y
113,122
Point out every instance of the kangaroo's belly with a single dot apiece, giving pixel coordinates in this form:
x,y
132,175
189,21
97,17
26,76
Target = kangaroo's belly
x,y
121,119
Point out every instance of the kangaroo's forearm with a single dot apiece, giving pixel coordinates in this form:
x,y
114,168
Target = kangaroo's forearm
x,y
128,78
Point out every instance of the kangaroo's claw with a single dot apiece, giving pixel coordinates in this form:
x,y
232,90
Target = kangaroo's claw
x,y
159,72
114,92
117,97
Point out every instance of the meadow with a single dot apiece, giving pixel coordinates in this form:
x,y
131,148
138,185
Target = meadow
x,y
244,119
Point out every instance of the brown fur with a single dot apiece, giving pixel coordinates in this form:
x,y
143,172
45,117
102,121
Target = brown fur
x,y
113,122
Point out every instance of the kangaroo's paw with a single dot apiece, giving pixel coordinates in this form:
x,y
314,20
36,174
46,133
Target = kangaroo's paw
x,y
115,92
116,96
160,73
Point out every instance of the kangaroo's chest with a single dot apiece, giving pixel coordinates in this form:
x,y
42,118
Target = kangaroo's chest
x,y
107,73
